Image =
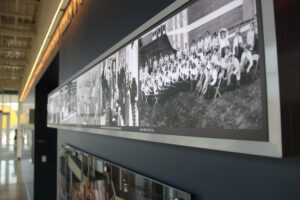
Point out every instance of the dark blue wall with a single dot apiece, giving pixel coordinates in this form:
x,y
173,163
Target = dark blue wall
x,y
206,174
45,139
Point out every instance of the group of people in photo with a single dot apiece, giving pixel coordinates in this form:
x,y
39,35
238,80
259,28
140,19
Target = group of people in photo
x,y
88,98
92,190
119,94
53,111
213,61
128,91
67,101
85,177
106,95
110,111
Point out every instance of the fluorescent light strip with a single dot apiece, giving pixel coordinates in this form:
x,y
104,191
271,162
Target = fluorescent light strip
x,y
41,49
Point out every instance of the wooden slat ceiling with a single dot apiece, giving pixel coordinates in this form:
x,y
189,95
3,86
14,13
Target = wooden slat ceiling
x,y
17,32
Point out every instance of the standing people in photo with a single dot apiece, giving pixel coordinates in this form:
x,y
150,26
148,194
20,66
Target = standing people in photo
x,y
200,44
224,43
214,41
237,44
121,86
251,36
247,59
133,99
207,42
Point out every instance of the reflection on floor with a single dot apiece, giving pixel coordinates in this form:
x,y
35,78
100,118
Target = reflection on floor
x,y
11,182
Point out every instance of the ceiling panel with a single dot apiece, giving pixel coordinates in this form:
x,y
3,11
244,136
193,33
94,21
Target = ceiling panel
x,y
17,33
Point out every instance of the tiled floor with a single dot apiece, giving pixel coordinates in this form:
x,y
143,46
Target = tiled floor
x,y
11,181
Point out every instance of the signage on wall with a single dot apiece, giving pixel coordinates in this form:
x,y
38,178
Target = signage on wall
x,y
197,78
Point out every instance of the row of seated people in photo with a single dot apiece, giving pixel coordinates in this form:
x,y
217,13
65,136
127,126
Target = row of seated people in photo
x,y
206,67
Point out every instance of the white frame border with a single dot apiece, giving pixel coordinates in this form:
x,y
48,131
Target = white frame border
x,y
271,148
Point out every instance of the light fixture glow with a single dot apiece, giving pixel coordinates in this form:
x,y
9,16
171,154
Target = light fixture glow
x,y
40,51
62,26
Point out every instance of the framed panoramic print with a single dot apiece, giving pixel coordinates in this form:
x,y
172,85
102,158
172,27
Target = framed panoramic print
x,y
84,176
201,73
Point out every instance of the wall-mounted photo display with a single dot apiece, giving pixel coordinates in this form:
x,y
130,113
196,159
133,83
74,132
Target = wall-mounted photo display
x,y
70,175
53,106
205,72
87,97
119,88
202,73
84,176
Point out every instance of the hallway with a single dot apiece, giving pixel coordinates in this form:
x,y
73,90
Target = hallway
x,y
11,181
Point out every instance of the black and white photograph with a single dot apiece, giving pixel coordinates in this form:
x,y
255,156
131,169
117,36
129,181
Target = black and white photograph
x,y
119,88
193,75
88,97
79,100
109,110
201,68
68,103
53,113
129,56
50,110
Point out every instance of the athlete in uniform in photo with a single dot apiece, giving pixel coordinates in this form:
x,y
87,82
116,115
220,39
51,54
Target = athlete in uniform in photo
x,y
121,89
179,54
200,44
224,43
94,100
214,41
247,59
207,42
193,49
133,99
233,67
236,70
238,44
251,36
